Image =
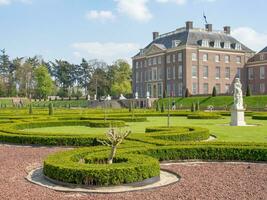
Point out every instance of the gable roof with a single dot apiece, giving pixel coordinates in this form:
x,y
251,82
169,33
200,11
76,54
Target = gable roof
x,y
264,50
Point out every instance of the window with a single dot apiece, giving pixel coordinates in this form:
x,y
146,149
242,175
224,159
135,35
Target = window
x,y
137,77
154,74
205,88
238,46
227,45
250,73
262,73
261,57
180,71
238,73
175,43
159,60
141,76
168,59
160,90
217,44
173,72
150,75
217,58
262,87
194,88
194,56
194,71
205,57
145,63
168,89
180,89
227,88
238,59
205,43
227,72
136,64
161,73
218,88
226,59
180,57
217,72
154,61
205,72
146,76
149,88
169,73
173,58
149,62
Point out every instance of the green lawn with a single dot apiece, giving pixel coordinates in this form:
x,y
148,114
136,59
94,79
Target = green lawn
x,y
217,127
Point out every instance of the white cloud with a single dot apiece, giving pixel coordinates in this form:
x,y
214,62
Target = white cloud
x,y
251,38
108,52
102,15
135,9
8,2
179,2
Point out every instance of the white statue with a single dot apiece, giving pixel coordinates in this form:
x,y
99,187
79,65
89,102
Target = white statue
x,y
95,97
238,95
147,95
88,97
122,97
108,98
136,95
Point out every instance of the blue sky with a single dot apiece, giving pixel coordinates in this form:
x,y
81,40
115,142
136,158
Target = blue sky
x,y
112,29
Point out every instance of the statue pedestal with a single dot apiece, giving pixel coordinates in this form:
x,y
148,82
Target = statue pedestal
x,y
238,117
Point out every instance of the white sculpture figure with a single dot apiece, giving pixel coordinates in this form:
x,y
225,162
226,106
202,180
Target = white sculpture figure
x,y
237,112
88,97
147,95
238,95
108,98
136,95
122,97
95,97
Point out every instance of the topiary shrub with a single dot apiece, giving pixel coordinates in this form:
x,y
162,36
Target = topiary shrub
x,y
204,115
187,94
30,109
214,92
50,109
248,92
162,107
193,107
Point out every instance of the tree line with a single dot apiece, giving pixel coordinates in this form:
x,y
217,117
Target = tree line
x,y
33,77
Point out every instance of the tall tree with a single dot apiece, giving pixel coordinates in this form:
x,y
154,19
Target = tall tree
x,y
43,82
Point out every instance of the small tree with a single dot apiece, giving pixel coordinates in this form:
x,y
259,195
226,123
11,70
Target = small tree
x,y
214,92
248,92
157,106
193,107
115,137
162,107
30,109
51,109
197,106
130,106
186,93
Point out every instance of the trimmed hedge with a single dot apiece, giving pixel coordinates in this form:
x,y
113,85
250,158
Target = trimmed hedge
x,y
80,167
204,115
171,136
259,117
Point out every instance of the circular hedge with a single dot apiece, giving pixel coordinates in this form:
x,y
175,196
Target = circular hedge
x,y
84,167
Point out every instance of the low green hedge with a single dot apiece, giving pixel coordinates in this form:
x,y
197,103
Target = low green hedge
x,y
73,167
171,136
259,117
204,115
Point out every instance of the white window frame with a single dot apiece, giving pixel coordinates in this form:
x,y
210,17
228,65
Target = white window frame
x,y
227,73
194,71
205,89
205,72
180,71
217,72
205,57
194,56
180,57
262,72
217,58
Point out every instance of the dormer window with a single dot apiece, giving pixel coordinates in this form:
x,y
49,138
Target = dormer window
x,y
175,43
237,46
217,44
227,45
141,52
205,43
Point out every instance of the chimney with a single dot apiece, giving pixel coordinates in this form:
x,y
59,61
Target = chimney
x,y
155,35
227,29
189,25
209,27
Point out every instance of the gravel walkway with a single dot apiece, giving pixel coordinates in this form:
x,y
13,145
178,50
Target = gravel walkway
x,y
198,181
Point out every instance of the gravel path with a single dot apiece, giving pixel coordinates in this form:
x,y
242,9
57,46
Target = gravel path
x,y
198,181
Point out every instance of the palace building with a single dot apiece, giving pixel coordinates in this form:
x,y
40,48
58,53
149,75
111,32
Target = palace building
x,y
256,68
196,59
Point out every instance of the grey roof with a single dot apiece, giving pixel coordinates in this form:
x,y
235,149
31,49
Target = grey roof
x,y
194,37
264,50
